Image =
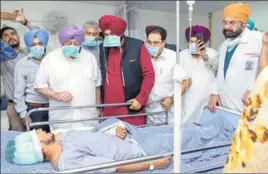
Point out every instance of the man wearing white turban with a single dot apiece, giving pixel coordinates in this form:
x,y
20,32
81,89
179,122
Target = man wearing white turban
x,y
25,98
70,76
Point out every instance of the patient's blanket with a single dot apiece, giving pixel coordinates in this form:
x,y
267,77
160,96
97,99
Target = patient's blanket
x,y
159,140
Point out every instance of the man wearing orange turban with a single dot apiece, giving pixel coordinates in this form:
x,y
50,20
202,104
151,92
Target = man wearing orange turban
x,y
238,59
126,68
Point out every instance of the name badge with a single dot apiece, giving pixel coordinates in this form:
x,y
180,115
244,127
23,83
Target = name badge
x,y
249,65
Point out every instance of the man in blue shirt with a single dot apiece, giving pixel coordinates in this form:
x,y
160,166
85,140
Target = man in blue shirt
x,y
76,149
25,97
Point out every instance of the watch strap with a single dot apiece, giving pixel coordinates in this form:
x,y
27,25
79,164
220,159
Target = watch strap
x,y
151,165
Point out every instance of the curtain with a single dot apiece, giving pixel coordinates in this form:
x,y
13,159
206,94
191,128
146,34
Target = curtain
x,y
130,13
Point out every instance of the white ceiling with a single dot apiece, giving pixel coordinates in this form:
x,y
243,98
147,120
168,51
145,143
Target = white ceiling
x,y
200,7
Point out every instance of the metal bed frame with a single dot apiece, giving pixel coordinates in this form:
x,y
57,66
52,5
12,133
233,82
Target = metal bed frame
x,y
28,125
130,161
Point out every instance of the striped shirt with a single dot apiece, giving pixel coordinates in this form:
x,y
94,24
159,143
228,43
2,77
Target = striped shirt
x,y
7,72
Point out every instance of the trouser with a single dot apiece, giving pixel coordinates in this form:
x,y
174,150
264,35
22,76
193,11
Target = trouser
x,y
40,116
14,118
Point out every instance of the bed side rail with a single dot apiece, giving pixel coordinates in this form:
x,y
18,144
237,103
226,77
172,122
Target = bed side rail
x,y
29,125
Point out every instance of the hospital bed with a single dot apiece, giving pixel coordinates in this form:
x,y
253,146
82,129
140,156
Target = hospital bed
x,y
213,165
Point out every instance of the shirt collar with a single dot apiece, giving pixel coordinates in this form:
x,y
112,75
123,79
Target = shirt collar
x,y
32,59
163,54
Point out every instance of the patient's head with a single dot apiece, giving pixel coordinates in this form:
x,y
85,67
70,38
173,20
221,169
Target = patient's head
x,y
31,147
48,144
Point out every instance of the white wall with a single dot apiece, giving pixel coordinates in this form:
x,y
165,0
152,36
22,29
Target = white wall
x,y
164,19
79,12
259,15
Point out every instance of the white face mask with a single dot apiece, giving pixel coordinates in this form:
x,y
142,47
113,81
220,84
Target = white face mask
x,y
192,48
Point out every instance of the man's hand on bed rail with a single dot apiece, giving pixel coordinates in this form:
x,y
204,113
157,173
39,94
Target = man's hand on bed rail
x,y
214,101
135,105
121,132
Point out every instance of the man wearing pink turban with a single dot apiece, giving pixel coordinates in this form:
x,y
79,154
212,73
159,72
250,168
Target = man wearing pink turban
x,y
200,63
70,76
127,70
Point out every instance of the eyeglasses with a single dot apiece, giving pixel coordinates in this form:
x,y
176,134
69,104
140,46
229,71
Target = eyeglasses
x,y
154,43
231,23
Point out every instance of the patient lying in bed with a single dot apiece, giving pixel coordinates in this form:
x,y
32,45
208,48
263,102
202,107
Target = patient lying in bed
x,y
75,149
114,140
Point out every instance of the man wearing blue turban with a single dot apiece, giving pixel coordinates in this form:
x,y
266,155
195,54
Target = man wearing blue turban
x,y
25,97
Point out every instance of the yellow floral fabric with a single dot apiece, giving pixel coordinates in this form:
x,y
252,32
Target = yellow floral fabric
x,y
249,149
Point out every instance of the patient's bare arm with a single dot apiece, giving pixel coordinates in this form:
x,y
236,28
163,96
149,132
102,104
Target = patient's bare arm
x,y
158,164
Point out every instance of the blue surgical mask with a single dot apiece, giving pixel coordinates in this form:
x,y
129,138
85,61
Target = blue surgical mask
x,y
112,41
70,50
152,51
37,52
90,41
192,48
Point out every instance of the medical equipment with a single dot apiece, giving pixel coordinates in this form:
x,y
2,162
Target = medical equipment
x,y
213,165
178,94
190,15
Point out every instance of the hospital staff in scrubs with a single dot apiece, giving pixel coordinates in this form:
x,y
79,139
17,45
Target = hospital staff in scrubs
x,y
70,76
163,60
200,63
238,59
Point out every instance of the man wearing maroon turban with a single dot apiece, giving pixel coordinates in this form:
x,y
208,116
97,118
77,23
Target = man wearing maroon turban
x,y
168,46
70,76
200,63
127,71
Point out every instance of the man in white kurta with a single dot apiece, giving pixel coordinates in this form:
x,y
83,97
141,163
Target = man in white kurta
x,y
163,60
200,63
238,59
71,80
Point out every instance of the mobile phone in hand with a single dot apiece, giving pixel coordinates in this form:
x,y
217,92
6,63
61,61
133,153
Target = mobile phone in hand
x,y
199,37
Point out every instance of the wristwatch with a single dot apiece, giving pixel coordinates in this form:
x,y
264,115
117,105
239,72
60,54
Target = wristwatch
x,y
151,165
